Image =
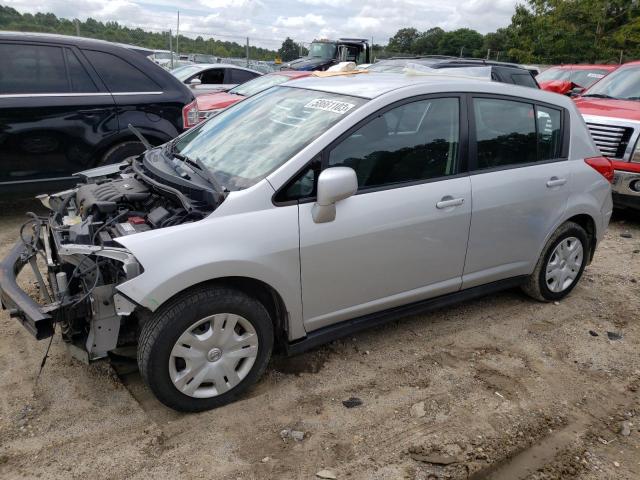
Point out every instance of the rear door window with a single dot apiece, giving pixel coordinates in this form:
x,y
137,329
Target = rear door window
x,y
32,69
119,75
511,132
213,76
505,132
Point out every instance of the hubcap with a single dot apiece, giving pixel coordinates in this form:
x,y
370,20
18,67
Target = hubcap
x,y
564,264
213,355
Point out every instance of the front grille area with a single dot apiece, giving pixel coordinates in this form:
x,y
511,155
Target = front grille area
x,y
610,139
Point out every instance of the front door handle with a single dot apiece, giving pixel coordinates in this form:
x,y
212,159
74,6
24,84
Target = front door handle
x,y
556,182
449,201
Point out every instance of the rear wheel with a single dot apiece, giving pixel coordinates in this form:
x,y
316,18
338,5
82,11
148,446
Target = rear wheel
x,y
205,348
122,152
560,265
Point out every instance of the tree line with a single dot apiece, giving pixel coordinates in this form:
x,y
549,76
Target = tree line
x,y
11,19
541,31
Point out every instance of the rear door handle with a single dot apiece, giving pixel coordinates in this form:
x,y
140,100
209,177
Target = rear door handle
x,y
449,201
556,182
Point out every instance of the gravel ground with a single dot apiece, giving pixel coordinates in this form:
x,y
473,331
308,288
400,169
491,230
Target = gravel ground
x,y
501,388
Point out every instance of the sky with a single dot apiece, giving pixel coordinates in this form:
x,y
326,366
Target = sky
x,y
268,22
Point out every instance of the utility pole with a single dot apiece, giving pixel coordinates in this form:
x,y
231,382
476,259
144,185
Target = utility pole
x,y
77,22
461,50
178,36
247,51
621,52
171,48
488,53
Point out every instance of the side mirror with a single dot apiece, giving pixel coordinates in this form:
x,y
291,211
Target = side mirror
x,y
334,184
576,91
194,82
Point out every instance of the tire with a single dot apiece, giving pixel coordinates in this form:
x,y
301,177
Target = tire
x,y
166,364
121,152
548,282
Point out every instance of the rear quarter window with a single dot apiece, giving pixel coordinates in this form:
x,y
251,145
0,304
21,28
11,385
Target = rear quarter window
x,y
241,76
119,75
523,79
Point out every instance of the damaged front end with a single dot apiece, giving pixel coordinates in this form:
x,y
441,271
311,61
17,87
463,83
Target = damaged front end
x,y
78,263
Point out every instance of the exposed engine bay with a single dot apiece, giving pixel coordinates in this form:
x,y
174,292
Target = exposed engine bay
x,y
78,241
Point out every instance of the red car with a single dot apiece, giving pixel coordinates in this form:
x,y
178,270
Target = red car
x,y
565,78
611,109
213,103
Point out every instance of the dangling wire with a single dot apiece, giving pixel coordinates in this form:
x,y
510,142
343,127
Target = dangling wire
x,y
46,354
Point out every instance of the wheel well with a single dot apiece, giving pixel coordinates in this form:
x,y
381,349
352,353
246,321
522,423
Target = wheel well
x,y
589,225
130,138
265,294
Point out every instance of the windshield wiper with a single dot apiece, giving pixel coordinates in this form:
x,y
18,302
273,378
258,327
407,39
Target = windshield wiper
x,y
599,95
137,133
630,98
202,171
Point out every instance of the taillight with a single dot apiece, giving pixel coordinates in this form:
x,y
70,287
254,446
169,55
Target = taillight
x,y
603,165
190,116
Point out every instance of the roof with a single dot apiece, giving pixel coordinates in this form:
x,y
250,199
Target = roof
x,y
374,84
68,39
204,66
292,73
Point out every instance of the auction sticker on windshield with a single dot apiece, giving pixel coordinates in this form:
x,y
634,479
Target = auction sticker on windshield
x,y
330,105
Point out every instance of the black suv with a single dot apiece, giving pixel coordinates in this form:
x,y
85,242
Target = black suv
x,y
66,102
500,71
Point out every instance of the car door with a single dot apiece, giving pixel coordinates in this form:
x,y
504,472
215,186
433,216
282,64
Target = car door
x,y
140,100
403,237
520,181
53,113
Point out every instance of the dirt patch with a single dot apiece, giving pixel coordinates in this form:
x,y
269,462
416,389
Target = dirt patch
x,y
508,388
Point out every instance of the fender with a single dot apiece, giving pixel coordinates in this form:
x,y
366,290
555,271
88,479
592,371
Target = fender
x,y
261,245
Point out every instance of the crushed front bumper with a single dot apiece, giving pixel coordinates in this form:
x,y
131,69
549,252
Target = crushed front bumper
x,y
38,320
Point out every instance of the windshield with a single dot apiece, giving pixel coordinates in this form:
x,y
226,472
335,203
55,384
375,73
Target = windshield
x,y
554,74
249,140
586,78
183,73
322,50
162,55
258,84
623,84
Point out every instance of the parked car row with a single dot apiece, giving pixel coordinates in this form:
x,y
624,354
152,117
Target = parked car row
x,y
566,79
204,78
611,108
66,103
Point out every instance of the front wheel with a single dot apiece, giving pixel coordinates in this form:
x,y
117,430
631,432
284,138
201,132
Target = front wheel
x,y
560,265
205,348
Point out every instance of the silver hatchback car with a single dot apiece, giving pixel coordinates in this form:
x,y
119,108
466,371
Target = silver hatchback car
x,y
310,211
